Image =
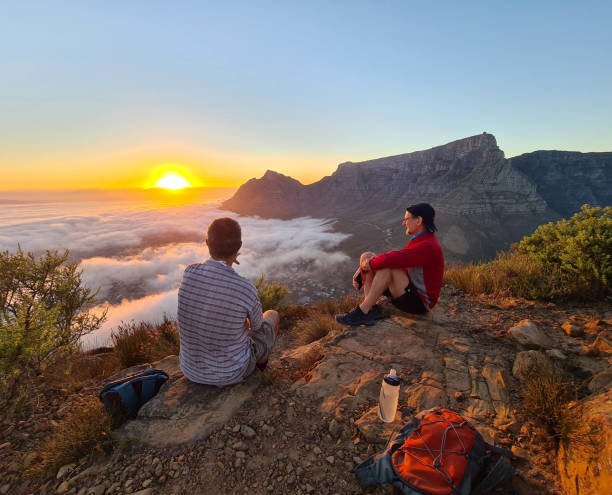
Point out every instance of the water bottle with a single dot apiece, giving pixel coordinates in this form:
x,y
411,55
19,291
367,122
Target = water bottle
x,y
389,395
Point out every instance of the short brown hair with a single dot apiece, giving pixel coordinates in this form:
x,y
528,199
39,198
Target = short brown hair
x,y
223,237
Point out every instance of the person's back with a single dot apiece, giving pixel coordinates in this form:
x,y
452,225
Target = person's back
x,y
224,335
214,302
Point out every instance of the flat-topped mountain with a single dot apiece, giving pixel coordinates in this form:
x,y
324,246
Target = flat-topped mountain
x,y
483,201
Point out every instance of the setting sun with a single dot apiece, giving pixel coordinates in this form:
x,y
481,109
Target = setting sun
x,y
172,181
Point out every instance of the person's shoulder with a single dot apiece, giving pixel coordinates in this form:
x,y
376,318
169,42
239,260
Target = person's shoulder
x,y
245,283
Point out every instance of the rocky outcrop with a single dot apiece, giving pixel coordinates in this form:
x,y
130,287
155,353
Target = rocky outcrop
x,y
183,411
483,200
439,369
584,461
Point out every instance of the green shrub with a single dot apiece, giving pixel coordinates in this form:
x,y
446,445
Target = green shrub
x,y
43,312
579,248
570,258
270,295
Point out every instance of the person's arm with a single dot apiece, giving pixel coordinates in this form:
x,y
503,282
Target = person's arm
x,y
255,315
418,255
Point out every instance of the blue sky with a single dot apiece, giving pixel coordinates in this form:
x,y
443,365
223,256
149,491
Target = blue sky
x,y
96,93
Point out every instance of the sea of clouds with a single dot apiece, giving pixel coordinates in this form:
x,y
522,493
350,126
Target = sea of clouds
x,y
135,253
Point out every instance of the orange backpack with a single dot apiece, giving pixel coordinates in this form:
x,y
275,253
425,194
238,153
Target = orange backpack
x,y
437,453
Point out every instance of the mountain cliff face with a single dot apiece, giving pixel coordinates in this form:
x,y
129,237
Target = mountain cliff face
x,y
483,201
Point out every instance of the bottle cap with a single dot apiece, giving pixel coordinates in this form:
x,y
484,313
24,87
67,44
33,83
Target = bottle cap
x,y
392,378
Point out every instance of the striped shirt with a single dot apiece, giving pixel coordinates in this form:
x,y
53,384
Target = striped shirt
x,y
213,304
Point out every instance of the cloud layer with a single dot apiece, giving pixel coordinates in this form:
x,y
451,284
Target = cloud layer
x,y
136,253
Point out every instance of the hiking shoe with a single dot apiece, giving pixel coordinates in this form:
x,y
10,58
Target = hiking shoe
x,y
375,313
355,318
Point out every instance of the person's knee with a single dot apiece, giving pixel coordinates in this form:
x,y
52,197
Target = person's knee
x,y
273,318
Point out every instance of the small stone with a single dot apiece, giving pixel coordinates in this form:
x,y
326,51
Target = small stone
x,y
29,459
602,344
128,484
528,334
238,462
572,330
180,458
97,490
600,382
4,489
335,428
520,452
330,459
5,445
459,396
357,460
556,354
240,445
236,429
316,450
159,469
64,470
247,431
146,491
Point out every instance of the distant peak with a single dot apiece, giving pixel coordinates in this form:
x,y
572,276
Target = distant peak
x,y
270,174
275,177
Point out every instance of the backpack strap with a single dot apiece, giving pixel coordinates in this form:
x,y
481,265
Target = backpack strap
x,y
500,473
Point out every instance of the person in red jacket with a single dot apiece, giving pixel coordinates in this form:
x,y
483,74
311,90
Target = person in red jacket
x,y
410,277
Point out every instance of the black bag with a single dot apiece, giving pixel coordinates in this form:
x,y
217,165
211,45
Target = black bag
x,y
128,394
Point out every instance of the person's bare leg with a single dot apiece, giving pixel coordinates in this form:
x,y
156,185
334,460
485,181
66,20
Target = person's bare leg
x,y
388,278
367,278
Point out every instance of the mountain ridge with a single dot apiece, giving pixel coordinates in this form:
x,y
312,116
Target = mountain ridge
x,y
483,200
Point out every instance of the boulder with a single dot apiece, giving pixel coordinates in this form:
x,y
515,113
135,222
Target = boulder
x,y
527,362
528,334
183,411
584,460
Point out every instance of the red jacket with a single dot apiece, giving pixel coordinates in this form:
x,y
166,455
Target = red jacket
x,y
423,262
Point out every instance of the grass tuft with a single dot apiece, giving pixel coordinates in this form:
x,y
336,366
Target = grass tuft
x,y
314,327
137,343
545,398
338,306
87,429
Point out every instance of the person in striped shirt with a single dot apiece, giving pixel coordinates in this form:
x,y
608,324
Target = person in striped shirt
x,y
224,334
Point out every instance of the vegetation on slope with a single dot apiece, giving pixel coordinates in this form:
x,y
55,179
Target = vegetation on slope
x,y
569,259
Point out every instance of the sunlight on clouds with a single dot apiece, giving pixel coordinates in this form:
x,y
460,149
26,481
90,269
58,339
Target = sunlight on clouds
x,y
136,253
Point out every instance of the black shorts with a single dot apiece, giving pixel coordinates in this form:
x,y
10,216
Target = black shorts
x,y
409,301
